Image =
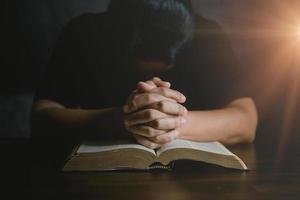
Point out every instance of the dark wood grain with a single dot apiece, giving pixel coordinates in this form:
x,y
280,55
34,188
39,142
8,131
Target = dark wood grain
x,y
274,174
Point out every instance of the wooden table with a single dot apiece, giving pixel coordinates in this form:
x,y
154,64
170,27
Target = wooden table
x,y
33,168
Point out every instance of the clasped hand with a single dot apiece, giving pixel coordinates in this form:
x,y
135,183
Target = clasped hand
x,y
153,113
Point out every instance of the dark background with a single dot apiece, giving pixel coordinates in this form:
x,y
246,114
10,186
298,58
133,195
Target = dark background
x,y
256,28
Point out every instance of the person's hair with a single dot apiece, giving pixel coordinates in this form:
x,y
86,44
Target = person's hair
x,y
156,29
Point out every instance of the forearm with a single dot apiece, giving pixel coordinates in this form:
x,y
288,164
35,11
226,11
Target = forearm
x,y
77,123
233,124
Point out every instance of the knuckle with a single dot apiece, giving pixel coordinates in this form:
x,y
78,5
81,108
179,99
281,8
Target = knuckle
x,y
151,145
132,104
168,138
164,91
155,139
151,114
181,109
135,97
178,94
142,141
150,132
148,97
165,139
154,133
161,105
160,139
150,82
156,123
156,78
147,114
157,133
146,144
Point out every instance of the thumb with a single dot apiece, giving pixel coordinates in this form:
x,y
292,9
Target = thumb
x,y
159,83
146,86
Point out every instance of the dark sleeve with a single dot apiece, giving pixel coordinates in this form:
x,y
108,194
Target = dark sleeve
x,y
59,80
217,75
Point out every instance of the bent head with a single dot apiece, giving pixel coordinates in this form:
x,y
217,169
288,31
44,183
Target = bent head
x,y
155,30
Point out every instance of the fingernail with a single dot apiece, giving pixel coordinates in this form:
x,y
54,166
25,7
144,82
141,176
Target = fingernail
x,y
168,84
184,111
182,98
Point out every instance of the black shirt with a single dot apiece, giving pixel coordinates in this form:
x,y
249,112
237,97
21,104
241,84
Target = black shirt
x,y
87,71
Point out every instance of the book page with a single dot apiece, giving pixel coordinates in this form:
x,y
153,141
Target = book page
x,y
213,147
94,146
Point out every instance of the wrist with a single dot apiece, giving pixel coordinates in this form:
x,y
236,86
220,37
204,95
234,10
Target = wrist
x,y
184,129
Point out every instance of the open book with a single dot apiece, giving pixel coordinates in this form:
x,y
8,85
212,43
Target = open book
x,y
98,156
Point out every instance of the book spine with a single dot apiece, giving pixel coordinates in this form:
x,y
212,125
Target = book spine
x,y
160,167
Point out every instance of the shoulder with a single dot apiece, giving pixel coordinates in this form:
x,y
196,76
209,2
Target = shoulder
x,y
204,22
80,32
207,28
209,36
210,47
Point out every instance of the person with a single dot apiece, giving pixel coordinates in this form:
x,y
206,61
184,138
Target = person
x,y
150,70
